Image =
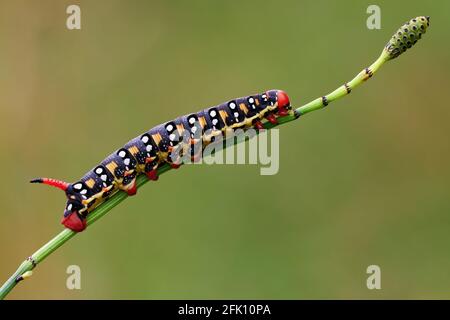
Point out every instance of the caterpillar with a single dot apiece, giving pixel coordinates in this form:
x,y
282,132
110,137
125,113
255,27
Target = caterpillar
x,y
145,153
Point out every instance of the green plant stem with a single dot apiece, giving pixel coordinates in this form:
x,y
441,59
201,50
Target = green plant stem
x,y
99,212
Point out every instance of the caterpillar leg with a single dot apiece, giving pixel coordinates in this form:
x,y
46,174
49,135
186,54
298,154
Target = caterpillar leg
x,y
174,156
131,188
74,221
152,175
258,125
283,112
271,118
129,184
150,169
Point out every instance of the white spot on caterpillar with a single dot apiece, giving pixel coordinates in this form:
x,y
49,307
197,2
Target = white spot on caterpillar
x,y
149,148
212,113
236,114
122,154
78,186
126,161
144,139
69,207
215,121
251,100
232,105
99,170
104,177
84,191
172,137
194,129
192,120
169,127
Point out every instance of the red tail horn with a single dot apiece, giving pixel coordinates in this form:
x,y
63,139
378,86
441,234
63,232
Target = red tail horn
x,y
52,182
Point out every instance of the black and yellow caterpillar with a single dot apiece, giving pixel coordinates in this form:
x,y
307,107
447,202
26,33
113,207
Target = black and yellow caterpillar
x,y
145,153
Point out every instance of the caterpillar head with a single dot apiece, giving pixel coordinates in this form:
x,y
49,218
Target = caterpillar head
x,y
283,103
406,36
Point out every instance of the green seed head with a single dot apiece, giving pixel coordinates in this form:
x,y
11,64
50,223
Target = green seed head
x,y
406,36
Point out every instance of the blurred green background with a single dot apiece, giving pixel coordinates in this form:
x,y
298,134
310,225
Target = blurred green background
x,y
364,182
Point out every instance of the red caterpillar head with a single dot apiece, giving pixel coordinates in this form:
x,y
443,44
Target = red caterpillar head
x,y
283,103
